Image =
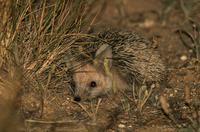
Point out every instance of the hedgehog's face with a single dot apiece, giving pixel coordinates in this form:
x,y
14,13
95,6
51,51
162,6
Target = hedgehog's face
x,y
91,80
90,83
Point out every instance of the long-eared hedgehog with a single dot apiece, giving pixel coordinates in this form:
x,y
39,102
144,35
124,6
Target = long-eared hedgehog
x,y
119,59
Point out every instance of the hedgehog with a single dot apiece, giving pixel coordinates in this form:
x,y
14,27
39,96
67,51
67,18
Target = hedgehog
x,y
118,59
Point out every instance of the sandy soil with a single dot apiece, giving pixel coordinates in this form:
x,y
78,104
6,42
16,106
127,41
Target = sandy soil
x,y
158,22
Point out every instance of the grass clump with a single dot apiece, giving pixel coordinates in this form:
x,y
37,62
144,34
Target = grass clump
x,y
191,40
35,42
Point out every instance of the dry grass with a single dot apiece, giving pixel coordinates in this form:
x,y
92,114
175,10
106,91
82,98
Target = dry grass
x,y
191,40
36,38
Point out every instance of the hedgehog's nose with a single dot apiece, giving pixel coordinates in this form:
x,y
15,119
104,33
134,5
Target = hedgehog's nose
x,y
77,98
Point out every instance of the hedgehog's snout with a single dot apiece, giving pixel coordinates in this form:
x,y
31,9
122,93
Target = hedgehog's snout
x,y
77,98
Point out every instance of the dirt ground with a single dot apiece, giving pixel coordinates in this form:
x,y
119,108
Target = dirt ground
x,y
173,106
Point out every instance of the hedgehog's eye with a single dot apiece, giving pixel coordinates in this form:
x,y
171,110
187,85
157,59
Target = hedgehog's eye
x,y
93,84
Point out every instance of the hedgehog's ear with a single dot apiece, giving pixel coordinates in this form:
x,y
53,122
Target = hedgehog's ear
x,y
104,55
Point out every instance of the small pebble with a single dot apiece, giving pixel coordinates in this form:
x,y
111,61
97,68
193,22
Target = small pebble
x,y
123,121
130,126
147,23
121,126
183,57
191,51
